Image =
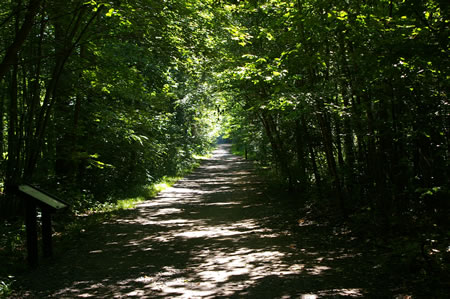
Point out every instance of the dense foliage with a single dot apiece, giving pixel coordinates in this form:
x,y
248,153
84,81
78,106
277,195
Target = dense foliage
x,y
101,97
349,100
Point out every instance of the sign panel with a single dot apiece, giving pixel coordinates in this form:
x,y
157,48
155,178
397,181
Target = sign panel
x,y
43,197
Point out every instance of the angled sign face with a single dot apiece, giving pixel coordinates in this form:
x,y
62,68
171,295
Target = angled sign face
x,y
42,197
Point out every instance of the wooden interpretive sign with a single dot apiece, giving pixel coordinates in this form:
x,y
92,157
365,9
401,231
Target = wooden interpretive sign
x,y
35,197
42,196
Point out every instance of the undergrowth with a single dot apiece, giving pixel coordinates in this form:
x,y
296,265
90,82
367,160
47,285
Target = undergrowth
x,y
84,214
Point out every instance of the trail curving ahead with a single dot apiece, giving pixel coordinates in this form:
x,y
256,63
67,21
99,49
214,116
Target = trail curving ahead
x,y
214,234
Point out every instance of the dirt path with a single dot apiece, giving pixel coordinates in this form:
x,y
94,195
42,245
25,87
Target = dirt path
x,y
214,234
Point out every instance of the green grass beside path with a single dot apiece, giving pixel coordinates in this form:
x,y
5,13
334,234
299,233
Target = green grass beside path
x,y
69,229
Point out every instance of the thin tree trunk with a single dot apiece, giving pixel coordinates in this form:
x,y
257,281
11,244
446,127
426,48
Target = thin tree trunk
x,y
339,143
12,171
375,166
277,146
315,169
2,127
49,99
348,143
21,35
300,145
331,162
35,96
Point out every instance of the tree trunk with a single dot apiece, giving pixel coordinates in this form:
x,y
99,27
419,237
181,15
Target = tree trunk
x,y
375,165
35,96
348,144
277,146
12,171
317,176
300,149
70,41
337,124
10,57
328,146
62,110
2,127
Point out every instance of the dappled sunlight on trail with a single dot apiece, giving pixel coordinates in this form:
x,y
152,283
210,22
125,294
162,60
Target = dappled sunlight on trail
x,y
213,234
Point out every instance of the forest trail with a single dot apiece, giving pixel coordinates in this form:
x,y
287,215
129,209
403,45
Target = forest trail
x,y
213,234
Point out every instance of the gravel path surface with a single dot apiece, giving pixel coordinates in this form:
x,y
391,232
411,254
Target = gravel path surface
x,y
215,234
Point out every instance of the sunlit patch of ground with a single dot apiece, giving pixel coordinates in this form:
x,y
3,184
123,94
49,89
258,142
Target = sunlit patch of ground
x,y
211,235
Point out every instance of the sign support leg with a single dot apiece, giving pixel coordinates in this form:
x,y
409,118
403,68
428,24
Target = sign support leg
x,y
31,226
46,233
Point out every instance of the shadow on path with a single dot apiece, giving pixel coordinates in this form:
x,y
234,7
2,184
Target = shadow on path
x,y
213,234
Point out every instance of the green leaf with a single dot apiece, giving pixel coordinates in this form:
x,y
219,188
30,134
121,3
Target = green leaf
x,y
110,12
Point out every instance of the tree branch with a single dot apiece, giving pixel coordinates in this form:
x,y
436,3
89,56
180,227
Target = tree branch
x,y
20,37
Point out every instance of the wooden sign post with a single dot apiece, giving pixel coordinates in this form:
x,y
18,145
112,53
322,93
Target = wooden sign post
x,y
34,197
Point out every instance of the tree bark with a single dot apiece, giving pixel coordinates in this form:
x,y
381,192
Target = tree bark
x,y
35,95
337,124
300,149
2,127
12,171
43,118
20,38
277,146
331,162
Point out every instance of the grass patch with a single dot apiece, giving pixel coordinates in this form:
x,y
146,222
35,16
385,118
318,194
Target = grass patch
x,y
147,192
166,182
70,227
12,253
6,287
74,229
